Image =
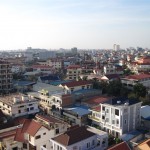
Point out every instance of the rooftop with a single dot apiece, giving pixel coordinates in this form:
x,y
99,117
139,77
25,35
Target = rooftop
x,y
16,99
76,83
77,111
120,146
137,77
73,136
121,101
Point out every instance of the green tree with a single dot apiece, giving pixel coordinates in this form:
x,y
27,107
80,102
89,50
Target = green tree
x,y
139,90
114,88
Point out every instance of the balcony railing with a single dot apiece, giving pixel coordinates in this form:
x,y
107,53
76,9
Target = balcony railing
x,y
94,118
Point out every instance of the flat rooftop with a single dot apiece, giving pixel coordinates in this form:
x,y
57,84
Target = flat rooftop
x,y
77,110
121,101
15,99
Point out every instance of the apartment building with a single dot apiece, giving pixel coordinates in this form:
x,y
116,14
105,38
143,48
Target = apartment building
x,y
5,77
73,72
51,96
118,116
16,105
80,138
56,63
131,80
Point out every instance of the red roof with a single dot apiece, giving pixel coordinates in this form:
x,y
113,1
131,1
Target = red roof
x,y
8,134
97,100
76,83
48,119
138,77
20,131
73,67
33,128
73,136
120,146
97,108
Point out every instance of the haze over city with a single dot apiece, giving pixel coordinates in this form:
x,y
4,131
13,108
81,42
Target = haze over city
x,y
67,23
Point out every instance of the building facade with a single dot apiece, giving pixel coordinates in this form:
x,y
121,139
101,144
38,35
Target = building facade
x,y
5,77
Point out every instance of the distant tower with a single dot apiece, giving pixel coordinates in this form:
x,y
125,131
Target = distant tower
x,y
116,47
74,50
5,77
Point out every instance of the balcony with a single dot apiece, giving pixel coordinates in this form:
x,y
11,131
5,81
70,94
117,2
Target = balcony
x,y
94,118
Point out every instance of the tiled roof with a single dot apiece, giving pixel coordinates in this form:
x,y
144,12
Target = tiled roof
x,y
76,83
97,100
144,145
73,136
20,131
112,76
8,134
120,146
33,128
73,67
48,119
138,77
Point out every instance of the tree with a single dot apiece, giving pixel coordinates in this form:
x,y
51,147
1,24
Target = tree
x,y
114,88
139,90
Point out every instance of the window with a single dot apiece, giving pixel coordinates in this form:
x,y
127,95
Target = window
x,y
25,145
107,110
103,108
44,145
117,121
72,89
32,108
125,121
57,131
22,106
38,137
19,111
44,133
30,104
103,117
117,112
88,145
29,138
93,142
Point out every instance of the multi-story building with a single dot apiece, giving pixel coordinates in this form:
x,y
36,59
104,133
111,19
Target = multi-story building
x,y
56,63
18,105
118,116
131,80
51,96
5,77
80,138
73,72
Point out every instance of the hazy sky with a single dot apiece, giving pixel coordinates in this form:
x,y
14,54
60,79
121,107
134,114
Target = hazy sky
x,y
68,23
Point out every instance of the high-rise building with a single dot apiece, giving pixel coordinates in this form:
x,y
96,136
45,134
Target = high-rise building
x,y
74,50
116,47
5,77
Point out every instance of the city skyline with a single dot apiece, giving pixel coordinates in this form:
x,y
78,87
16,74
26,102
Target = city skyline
x,y
86,24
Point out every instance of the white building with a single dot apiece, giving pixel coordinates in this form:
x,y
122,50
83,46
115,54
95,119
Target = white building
x,y
76,85
18,105
80,138
131,80
118,116
47,54
116,47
